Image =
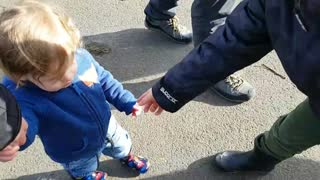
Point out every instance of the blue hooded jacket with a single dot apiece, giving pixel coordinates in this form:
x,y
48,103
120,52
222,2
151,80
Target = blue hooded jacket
x,y
72,123
250,32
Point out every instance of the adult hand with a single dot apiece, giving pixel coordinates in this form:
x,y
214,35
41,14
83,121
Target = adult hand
x,y
150,104
11,151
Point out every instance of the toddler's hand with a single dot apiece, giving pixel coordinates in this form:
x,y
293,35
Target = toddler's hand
x,y
137,110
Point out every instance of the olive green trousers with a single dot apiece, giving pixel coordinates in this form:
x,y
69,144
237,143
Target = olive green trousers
x,y
291,134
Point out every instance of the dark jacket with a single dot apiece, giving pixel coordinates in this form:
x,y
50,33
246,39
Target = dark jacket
x,y
250,32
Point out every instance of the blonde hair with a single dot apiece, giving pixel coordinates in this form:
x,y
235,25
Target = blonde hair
x,y
34,39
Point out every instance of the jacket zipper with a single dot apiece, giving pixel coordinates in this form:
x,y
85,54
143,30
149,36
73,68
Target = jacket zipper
x,y
92,111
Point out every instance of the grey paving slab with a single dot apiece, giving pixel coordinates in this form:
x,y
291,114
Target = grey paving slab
x,y
179,145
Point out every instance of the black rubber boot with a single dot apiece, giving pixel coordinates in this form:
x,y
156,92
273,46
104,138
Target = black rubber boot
x,y
250,161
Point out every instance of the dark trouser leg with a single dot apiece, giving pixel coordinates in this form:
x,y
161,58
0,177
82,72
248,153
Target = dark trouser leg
x,y
160,16
207,15
161,9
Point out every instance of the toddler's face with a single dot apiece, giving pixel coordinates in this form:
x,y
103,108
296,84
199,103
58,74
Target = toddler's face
x,y
51,84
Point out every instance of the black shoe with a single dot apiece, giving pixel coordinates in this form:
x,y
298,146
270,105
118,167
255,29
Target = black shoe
x,y
171,28
250,161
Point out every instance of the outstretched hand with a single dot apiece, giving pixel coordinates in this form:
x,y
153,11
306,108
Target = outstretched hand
x,y
150,104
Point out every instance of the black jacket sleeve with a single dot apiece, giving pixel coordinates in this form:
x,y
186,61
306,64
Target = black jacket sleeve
x,y
242,41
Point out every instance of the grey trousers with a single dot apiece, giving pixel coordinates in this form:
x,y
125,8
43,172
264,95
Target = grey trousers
x,y
208,15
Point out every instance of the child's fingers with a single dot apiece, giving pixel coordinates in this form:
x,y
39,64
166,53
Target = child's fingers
x,y
134,114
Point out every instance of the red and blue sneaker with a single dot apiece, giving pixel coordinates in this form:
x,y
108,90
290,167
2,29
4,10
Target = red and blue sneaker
x,y
97,175
138,163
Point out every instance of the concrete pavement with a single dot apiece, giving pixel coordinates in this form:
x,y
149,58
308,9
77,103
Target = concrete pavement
x,y
179,145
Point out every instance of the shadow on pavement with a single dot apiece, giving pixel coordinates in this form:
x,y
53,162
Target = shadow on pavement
x,y
138,57
203,169
293,169
135,53
113,167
